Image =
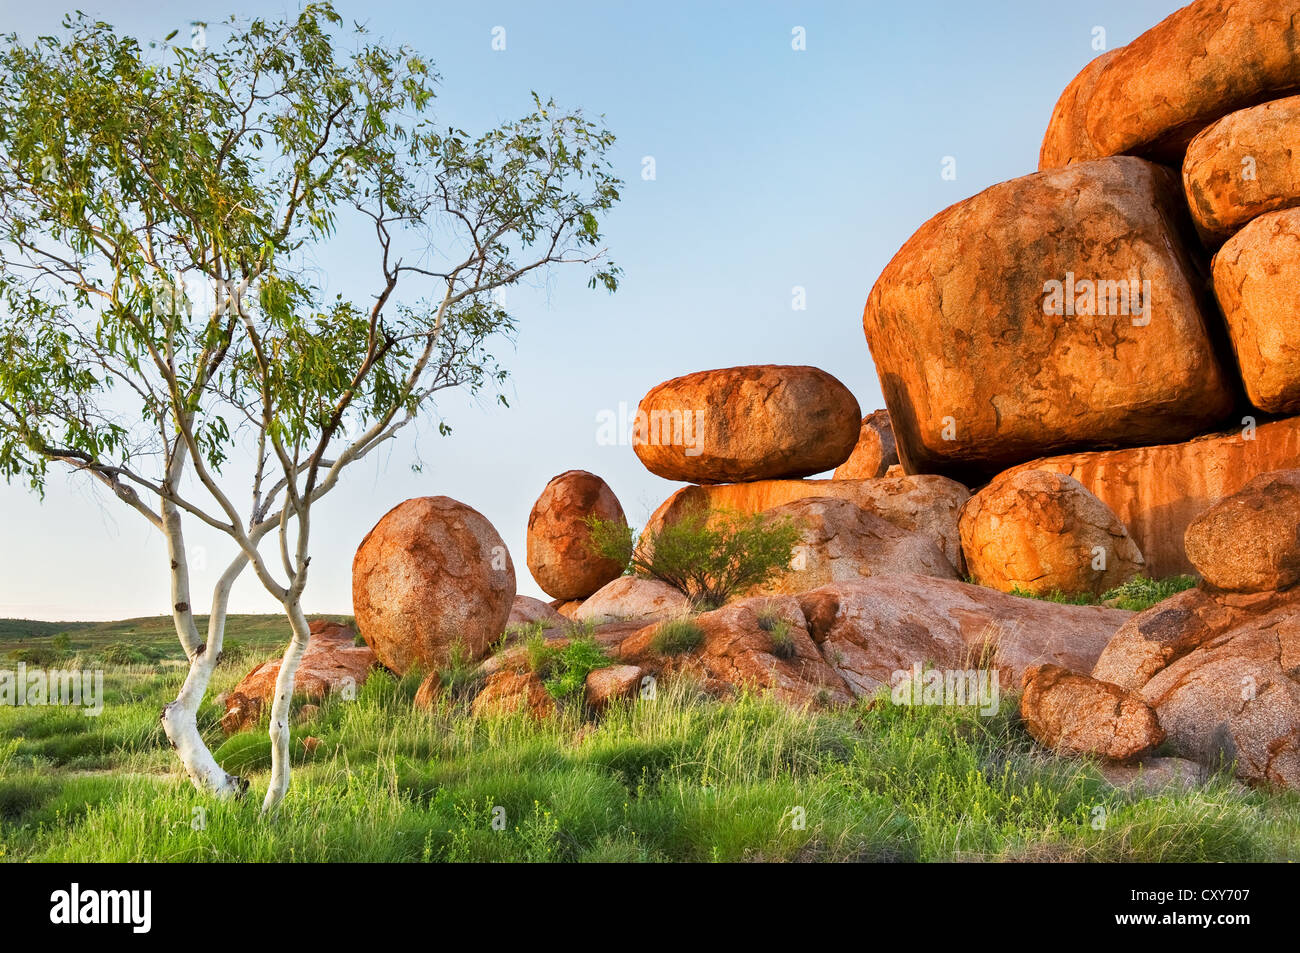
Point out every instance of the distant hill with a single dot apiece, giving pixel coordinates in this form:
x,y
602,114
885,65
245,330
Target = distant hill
x,y
154,632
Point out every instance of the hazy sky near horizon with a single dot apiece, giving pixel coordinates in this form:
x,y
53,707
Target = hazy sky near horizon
x,y
774,169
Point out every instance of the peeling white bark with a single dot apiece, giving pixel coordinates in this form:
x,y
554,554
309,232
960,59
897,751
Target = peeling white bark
x,y
280,707
180,717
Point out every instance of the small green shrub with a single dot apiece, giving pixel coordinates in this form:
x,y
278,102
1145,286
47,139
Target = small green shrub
x,y
677,637
39,656
1141,593
783,644
707,555
564,670
1057,596
1136,595
62,643
122,653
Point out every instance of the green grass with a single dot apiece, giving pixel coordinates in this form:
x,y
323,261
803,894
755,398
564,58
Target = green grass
x,y
1136,595
677,778
677,637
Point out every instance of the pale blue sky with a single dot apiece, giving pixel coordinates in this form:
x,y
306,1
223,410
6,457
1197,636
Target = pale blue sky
x,y
775,169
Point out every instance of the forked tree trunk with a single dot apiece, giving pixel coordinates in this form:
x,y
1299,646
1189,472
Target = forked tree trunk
x,y
280,707
180,718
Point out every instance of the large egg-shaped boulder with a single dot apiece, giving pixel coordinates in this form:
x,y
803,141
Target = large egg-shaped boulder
x,y
559,552
737,424
432,574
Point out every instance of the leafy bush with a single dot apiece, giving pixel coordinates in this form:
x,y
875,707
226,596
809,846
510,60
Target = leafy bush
x,y
123,653
39,656
564,670
707,555
677,637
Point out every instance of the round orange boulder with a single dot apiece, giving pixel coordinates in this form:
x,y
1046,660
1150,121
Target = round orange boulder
x,y
559,554
738,424
432,574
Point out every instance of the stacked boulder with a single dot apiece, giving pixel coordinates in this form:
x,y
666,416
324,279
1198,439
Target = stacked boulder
x,y
1214,672
1071,320
746,438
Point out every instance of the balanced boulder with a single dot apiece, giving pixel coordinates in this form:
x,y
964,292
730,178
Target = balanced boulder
x,y
841,541
1257,281
1066,139
746,423
874,453
1244,165
1250,542
559,540
1158,491
1041,532
1074,713
1210,58
925,504
1055,311
432,574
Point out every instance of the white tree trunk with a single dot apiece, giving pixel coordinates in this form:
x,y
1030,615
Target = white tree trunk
x,y
280,707
180,718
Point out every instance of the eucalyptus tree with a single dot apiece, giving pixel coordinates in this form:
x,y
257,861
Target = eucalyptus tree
x,y
162,207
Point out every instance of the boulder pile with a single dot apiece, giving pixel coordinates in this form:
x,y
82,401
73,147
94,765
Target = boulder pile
x,y
1106,351
1132,304
1213,671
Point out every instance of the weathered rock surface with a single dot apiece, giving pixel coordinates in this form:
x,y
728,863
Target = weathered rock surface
x,y
870,630
926,504
1074,713
1257,282
630,598
1250,542
1043,532
841,542
510,692
1222,672
332,662
740,424
1158,491
737,651
526,610
1055,311
1210,58
611,683
1242,166
1066,139
875,451
433,572
559,553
